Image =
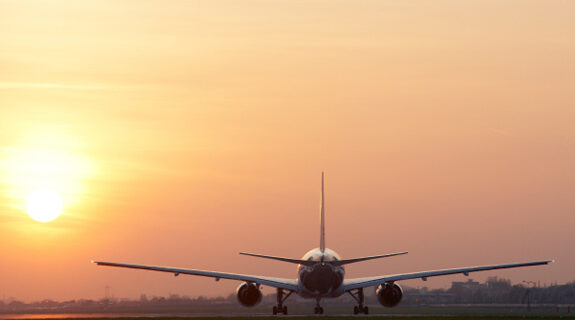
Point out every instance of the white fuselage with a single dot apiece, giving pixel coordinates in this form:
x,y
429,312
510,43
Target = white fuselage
x,y
321,279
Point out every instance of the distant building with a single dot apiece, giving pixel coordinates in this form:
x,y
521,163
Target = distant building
x,y
466,285
466,291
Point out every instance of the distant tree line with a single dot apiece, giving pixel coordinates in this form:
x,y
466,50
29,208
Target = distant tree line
x,y
493,291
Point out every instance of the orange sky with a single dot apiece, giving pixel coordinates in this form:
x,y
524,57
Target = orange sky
x,y
182,132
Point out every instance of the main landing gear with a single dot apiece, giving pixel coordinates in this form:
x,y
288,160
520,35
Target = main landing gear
x,y
358,296
318,309
280,308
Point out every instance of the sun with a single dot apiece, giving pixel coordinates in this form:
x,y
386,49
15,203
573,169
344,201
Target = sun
x,y
44,205
44,173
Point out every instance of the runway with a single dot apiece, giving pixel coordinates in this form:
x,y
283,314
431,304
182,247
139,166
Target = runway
x,y
133,316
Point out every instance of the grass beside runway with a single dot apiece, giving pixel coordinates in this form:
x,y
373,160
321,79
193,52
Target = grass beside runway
x,y
333,312
343,317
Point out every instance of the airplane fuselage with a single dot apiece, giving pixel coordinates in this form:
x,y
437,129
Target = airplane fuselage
x,y
321,279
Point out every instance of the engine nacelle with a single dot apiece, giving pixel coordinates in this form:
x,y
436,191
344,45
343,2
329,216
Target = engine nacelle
x,y
389,294
249,294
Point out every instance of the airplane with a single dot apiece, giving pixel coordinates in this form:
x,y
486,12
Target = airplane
x,y
320,274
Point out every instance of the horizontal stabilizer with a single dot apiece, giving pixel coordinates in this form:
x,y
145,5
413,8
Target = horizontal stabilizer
x,y
348,261
296,261
311,262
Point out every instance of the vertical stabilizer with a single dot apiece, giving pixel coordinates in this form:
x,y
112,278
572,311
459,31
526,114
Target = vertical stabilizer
x,y
322,209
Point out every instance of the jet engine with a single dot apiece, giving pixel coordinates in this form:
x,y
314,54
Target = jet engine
x,y
389,294
249,294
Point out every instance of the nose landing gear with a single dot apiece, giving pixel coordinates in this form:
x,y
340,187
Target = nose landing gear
x,y
318,309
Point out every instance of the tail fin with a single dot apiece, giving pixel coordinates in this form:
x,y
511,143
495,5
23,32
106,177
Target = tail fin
x,y
322,210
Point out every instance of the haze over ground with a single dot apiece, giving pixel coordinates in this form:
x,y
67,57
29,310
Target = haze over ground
x,y
180,133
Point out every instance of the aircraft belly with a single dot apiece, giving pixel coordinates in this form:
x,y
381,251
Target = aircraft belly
x,y
321,281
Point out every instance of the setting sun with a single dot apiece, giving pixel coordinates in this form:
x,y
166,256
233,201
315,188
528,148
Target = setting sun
x,y
44,205
44,172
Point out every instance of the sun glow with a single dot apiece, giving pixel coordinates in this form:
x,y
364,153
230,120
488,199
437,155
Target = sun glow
x,y
44,205
46,174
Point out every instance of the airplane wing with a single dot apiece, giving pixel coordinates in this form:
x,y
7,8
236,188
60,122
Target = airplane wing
x,y
287,284
357,283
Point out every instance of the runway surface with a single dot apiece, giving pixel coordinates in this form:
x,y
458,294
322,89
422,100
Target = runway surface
x,y
133,316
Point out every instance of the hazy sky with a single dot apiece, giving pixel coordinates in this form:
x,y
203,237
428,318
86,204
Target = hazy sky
x,y
182,132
